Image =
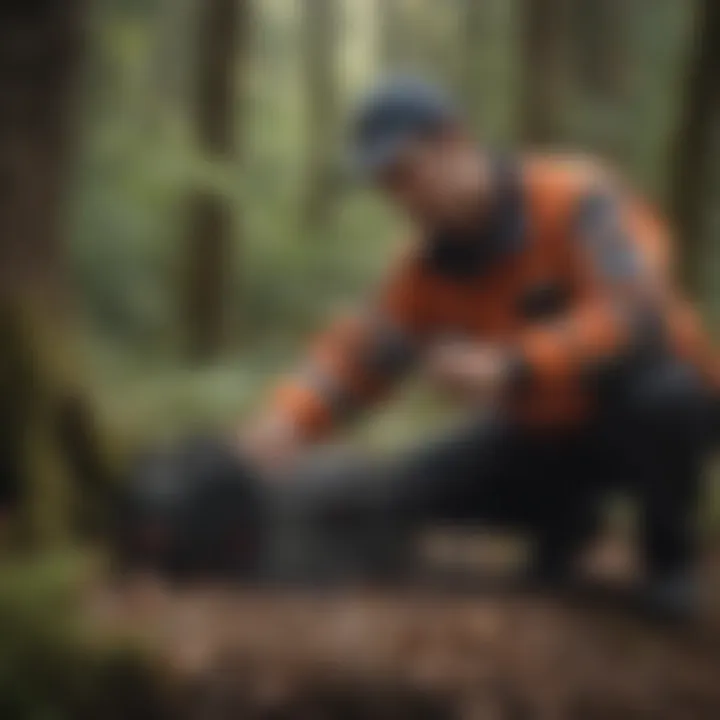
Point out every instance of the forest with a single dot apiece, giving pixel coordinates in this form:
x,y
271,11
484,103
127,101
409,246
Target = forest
x,y
175,221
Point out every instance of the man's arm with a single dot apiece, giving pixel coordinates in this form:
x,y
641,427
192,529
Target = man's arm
x,y
621,293
351,365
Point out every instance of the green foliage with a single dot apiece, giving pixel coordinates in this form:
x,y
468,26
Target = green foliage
x,y
51,665
139,164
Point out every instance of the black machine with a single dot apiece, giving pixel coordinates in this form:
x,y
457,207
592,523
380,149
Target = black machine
x,y
190,509
196,510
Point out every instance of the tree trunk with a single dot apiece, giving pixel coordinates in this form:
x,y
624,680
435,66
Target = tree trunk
x,y
602,62
544,67
221,34
435,39
392,33
39,43
692,154
320,63
171,64
474,32
47,433
599,36
416,36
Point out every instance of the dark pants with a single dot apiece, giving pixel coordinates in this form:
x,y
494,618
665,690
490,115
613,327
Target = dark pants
x,y
493,472
648,440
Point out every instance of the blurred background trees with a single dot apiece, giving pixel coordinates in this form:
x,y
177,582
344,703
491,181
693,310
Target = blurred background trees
x,y
49,453
221,27
245,113
545,36
197,227
320,34
694,153
172,225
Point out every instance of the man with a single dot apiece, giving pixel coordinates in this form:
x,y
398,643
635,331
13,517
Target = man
x,y
539,287
538,290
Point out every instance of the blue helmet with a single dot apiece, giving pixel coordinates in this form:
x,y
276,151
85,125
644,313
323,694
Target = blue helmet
x,y
392,114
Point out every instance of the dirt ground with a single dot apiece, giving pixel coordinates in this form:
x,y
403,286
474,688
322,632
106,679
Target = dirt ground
x,y
424,654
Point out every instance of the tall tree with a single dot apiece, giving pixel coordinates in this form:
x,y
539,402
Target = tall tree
x,y
47,434
599,35
602,46
38,52
320,32
691,156
172,21
475,31
544,66
416,36
221,35
392,24
406,29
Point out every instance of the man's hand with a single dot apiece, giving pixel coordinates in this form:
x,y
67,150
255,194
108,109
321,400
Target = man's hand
x,y
472,371
271,442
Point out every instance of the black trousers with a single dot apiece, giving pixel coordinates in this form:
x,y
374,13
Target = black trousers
x,y
649,441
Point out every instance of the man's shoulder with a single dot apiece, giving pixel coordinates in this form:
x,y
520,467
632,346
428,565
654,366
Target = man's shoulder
x,y
565,173
555,183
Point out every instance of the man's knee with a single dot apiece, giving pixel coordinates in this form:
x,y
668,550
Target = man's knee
x,y
670,403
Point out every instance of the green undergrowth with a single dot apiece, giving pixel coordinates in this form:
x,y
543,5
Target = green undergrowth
x,y
53,666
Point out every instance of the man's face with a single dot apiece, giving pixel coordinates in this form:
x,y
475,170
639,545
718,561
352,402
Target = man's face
x,y
434,181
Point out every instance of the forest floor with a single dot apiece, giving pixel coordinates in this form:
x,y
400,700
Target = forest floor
x,y
480,654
